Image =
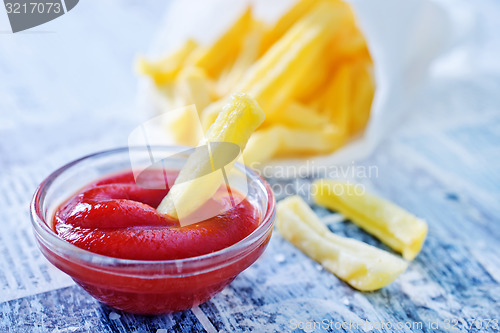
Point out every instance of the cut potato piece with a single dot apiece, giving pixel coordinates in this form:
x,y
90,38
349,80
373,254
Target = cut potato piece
x,y
184,125
391,224
363,266
348,44
308,141
261,147
225,50
197,181
347,98
297,115
248,55
194,87
282,141
336,100
210,113
363,91
168,98
166,69
285,22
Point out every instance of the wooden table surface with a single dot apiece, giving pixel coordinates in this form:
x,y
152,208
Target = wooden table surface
x,y
67,89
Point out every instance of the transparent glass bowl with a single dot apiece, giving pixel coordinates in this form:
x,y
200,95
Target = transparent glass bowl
x,y
144,286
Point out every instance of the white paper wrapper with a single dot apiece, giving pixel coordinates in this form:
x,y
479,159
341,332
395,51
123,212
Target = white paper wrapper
x,y
404,38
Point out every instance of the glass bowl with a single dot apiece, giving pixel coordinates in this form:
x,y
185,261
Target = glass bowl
x,y
144,286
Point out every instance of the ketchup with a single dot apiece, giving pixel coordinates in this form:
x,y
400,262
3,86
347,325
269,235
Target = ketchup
x,y
116,217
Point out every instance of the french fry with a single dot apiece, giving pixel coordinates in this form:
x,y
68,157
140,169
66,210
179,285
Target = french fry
x,y
167,96
283,141
166,69
336,101
261,147
210,113
363,91
348,44
347,98
247,56
298,115
197,182
316,79
285,22
194,87
363,266
225,50
394,226
183,124
309,141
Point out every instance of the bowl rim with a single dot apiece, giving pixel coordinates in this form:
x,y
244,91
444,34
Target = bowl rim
x,y
213,260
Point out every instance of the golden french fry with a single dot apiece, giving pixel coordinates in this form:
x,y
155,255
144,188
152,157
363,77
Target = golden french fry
x,y
391,224
309,141
279,140
167,97
194,87
210,113
336,99
225,50
183,124
363,266
261,147
166,69
363,91
348,96
285,22
317,78
297,115
247,56
197,181
348,44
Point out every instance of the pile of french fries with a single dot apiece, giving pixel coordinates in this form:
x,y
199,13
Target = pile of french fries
x,y
310,71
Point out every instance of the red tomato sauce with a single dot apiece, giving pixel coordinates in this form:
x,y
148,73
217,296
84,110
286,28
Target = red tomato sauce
x,y
118,218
